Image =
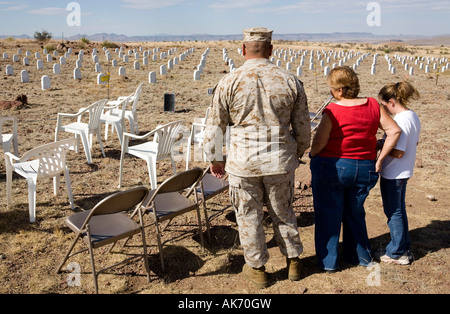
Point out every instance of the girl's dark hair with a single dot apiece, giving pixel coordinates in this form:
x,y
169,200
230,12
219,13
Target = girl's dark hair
x,y
402,92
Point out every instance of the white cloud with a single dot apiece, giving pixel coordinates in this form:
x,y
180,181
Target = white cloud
x,y
49,11
331,6
15,7
149,4
237,4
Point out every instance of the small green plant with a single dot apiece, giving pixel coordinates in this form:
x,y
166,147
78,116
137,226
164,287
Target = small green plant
x,y
50,48
85,40
43,36
109,44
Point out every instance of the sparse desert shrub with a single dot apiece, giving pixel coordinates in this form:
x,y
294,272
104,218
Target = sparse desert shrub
x,y
109,44
43,36
50,48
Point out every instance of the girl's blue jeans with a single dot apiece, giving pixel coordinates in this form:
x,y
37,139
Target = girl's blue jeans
x,y
393,193
340,188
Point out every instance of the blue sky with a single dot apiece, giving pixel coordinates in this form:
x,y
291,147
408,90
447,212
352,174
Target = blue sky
x,y
222,17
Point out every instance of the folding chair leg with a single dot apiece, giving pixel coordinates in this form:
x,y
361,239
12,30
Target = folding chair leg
x,y
68,254
91,254
144,244
200,229
208,229
158,237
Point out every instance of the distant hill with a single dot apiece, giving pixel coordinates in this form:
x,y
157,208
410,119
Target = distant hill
x,y
333,37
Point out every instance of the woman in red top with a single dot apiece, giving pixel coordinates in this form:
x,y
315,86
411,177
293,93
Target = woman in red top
x,y
345,168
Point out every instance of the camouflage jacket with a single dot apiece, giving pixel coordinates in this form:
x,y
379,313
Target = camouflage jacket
x,y
264,109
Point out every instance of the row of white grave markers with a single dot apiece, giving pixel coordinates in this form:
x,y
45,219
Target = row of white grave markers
x,y
293,55
229,61
199,71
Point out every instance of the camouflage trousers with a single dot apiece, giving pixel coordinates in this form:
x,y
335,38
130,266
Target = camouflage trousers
x,y
248,197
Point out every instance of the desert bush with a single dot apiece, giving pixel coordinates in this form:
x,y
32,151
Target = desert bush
x,y
109,44
43,36
50,48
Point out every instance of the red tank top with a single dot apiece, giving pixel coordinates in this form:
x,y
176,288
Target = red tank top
x,y
354,131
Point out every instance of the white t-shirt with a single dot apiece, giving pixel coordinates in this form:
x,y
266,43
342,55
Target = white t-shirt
x,y
403,168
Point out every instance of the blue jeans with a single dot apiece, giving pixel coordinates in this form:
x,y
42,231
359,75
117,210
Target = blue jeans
x,y
340,188
393,193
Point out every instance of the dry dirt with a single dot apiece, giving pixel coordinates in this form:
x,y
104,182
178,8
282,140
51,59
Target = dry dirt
x,y
31,253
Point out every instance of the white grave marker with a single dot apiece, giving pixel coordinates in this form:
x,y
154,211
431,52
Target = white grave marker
x,y
24,76
56,68
152,77
9,70
98,67
77,74
162,70
45,82
196,75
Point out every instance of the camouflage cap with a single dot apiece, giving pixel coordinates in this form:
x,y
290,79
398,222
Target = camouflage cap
x,y
258,34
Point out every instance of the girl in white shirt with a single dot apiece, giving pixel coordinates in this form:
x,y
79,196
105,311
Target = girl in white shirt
x,y
398,168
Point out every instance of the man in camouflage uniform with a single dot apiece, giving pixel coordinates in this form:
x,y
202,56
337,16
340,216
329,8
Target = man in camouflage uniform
x,y
258,104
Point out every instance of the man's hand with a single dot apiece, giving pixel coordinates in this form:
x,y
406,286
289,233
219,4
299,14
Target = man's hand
x,y
218,169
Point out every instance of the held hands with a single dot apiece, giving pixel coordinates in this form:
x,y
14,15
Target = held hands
x,y
218,169
378,166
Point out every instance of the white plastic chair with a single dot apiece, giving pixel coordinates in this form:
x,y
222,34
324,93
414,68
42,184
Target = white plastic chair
x,y
197,137
7,139
47,161
130,115
117,121
84,130
164,138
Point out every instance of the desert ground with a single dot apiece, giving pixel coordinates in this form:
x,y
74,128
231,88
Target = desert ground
x,y
31,253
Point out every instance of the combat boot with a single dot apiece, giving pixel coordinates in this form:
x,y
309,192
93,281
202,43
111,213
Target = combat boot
x,y
294,268
257,276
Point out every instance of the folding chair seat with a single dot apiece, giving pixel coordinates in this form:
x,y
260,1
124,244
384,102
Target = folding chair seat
x,y
106,224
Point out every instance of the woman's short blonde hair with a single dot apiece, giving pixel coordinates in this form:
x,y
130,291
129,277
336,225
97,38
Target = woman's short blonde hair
x,y
345,78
